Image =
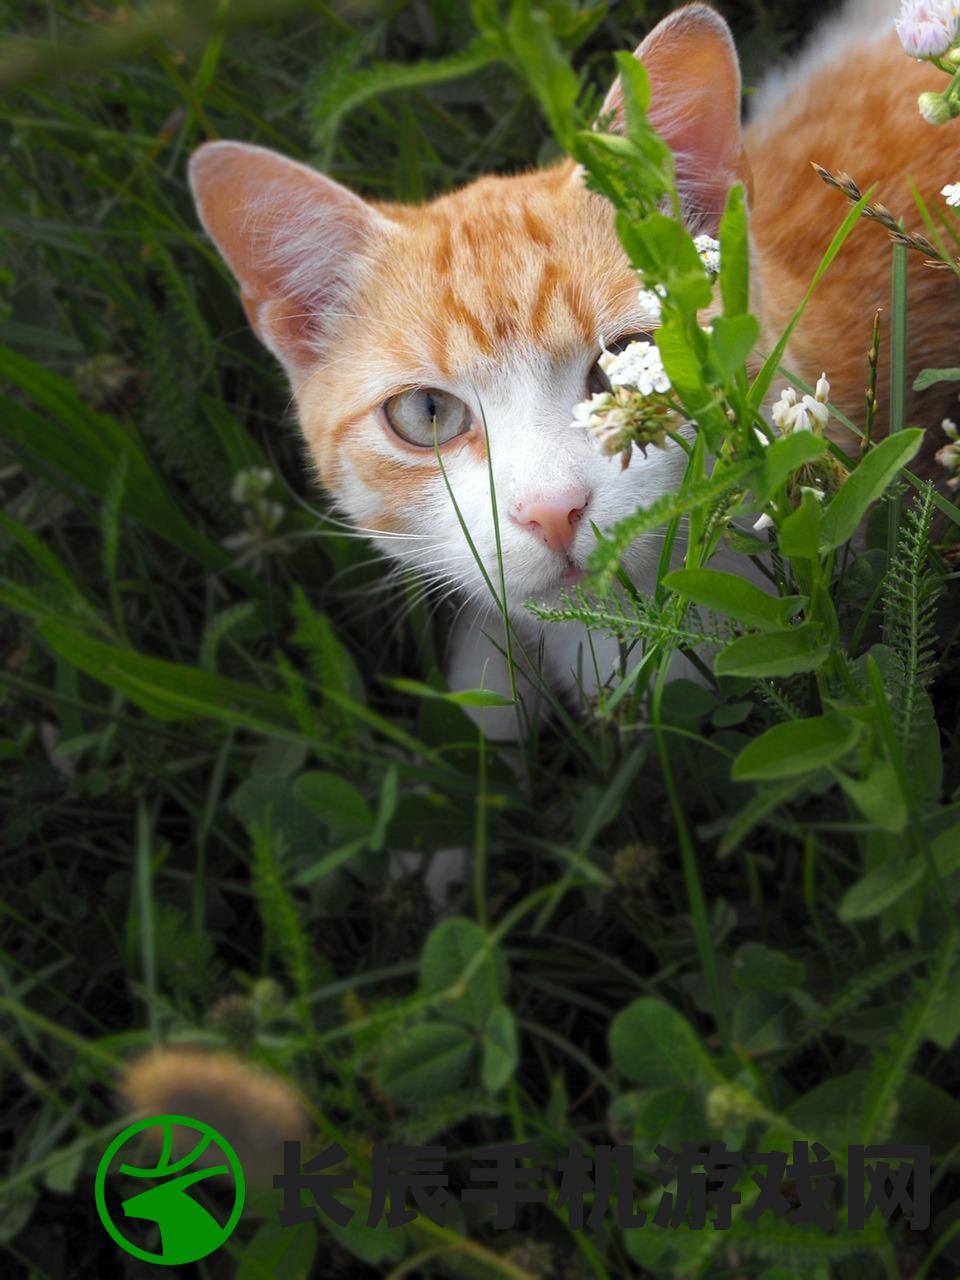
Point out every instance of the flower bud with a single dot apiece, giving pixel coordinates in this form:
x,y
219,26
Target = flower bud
x,y
934,108
268,995
635,867
236,1018
729,1104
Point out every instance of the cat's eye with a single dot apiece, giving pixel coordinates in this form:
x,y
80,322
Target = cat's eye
x,y
427,415
597,380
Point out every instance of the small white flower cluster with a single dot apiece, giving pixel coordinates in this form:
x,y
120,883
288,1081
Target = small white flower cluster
x,y
806,413
949,455
639,365
810,413
250,484
652,299
927,28
634,413
709,251
261,518
951,193
608,419
652,302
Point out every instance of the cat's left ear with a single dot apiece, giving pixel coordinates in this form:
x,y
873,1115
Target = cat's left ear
x,y
695,107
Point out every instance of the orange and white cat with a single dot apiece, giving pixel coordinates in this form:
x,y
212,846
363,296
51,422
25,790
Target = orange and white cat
x,y
495,299
487,309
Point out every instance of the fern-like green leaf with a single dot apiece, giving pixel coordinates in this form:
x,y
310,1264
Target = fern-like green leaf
x,y
282,925
330,664
634,619
177,355
910,601
892,1063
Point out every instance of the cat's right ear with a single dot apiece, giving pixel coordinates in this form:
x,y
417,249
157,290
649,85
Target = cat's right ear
x,y
296,241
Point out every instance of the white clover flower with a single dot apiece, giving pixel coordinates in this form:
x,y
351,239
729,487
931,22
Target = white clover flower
x,y
638,365
709,251
810,413
951,193
927,28
818,493
783,410
949,458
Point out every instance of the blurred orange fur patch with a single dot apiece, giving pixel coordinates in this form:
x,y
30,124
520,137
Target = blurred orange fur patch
x,y
255,1112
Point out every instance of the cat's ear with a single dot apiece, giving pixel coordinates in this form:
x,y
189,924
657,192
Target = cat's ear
x,y
296,241
694,74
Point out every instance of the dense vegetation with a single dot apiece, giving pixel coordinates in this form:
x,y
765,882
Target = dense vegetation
x,y
702,914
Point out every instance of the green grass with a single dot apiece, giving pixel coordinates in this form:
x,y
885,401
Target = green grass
x,y
207,758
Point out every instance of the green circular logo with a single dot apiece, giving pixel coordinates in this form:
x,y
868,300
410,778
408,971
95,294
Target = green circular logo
x,y
188,1231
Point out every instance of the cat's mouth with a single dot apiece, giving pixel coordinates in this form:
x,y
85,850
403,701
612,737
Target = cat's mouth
x,y
571,575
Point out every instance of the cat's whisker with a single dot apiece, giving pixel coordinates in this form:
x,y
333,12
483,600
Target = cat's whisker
x,y
360,531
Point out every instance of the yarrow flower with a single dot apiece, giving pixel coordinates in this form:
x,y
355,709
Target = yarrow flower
x,y
709,251
635,412
951,193
927,28
651,299
638,365
652,302
949,456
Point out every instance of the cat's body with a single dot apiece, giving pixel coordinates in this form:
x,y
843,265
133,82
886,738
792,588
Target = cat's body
x,y
493,303
850,104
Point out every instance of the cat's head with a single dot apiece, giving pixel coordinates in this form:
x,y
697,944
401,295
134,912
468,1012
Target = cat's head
x,y
485,309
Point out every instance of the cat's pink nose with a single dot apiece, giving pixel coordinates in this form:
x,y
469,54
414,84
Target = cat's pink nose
x,y
554,520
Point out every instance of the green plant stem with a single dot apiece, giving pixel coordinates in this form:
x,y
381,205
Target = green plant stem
x,y
691,873
915,832
898,375
145,909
